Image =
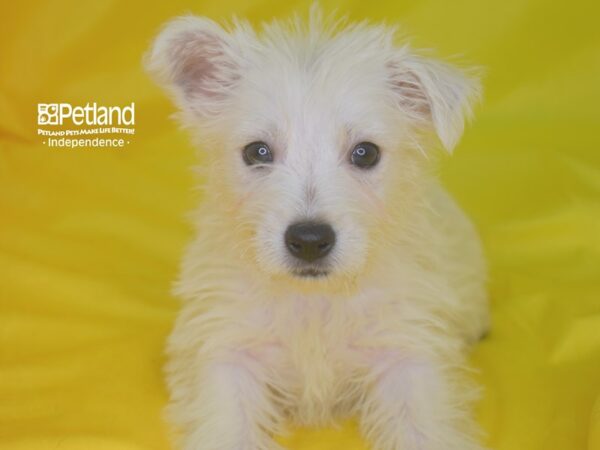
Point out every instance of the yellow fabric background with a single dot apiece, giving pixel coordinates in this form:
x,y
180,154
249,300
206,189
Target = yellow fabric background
x,y
90,239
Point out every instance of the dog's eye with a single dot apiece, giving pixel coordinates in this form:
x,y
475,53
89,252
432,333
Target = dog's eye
x,y
365,155
257,153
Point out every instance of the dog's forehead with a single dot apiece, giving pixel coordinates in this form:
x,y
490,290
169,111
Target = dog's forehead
x,y
314,98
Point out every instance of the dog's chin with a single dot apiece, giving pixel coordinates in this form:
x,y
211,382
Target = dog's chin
x,y
309,273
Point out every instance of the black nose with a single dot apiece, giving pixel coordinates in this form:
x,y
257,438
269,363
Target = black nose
x,y
309,241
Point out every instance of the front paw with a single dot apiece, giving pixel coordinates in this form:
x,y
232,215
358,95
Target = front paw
x,y
414,406
223,404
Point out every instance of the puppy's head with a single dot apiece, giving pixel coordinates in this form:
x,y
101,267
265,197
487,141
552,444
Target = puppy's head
x,y
314,132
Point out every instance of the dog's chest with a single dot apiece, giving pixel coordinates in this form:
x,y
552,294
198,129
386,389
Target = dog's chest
x,y
316,362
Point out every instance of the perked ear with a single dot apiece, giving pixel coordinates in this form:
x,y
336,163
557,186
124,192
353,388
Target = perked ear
x,y
197,61
435,94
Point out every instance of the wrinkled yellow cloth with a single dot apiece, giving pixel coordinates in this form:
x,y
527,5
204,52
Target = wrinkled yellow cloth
x,y
90,239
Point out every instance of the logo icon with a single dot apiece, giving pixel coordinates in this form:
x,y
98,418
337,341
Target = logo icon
x,y
48,114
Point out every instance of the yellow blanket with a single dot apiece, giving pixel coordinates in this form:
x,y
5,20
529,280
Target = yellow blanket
x,y
90,238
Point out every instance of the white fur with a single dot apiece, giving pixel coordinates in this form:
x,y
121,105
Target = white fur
x,y
383,336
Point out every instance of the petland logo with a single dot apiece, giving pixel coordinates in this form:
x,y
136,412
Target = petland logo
x,y
105,120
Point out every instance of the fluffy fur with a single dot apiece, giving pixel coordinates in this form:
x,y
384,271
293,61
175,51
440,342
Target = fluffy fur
x,y
382,337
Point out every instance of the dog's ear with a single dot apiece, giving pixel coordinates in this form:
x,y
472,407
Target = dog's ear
x,y
434,94
197,61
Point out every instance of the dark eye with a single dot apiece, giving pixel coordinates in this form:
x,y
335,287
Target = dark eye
x,y
257,153
365,155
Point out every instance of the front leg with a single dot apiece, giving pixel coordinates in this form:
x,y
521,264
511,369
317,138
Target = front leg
x,y
412,405
222,403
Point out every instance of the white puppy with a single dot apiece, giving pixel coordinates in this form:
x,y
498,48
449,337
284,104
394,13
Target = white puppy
x,y
331,275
